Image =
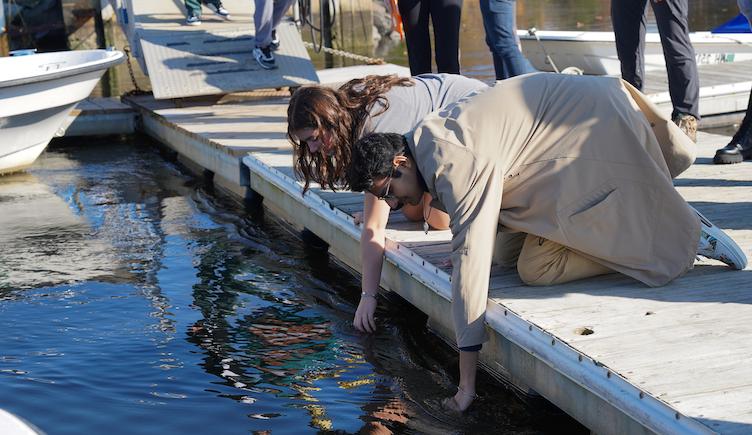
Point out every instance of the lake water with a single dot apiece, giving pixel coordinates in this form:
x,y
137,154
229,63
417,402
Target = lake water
x,y
136,300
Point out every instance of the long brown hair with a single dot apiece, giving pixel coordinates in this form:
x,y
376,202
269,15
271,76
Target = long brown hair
x,y
342,114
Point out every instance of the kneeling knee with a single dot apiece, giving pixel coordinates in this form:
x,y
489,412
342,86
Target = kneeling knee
x,y
535,278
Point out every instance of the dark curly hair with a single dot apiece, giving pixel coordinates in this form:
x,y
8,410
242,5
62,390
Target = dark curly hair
x,y
372,158
342,113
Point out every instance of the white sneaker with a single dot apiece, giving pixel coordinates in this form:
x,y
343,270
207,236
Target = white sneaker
x,y
193,20
264,57
716,244
219,10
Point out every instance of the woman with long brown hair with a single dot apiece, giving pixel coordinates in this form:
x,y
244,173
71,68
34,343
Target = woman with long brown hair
x,y
323,123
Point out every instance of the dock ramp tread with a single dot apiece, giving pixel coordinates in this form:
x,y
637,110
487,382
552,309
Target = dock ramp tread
x,y
215,57
221,62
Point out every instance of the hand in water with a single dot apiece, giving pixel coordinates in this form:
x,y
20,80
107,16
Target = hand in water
x,y
364,316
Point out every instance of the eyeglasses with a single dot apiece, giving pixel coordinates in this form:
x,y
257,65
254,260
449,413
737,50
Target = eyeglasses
x,y
384,196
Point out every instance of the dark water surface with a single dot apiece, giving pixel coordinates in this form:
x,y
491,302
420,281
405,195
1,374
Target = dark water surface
x,y
133,299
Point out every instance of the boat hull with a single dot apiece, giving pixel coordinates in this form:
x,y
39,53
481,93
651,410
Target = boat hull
x,y
595,52
32,112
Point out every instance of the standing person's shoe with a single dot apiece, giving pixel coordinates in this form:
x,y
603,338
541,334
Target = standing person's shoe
x,y
716,244
738,150
193,20
687,124
275,41
264,57
219,10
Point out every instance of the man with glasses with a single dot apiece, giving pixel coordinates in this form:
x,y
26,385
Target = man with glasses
x,y
582,166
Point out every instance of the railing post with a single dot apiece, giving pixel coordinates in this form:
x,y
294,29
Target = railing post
x,y
326,31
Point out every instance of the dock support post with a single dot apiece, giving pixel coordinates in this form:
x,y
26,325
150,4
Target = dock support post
x,y
253,201
313,241
326,31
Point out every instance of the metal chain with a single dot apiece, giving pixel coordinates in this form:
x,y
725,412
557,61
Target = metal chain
x,y
136,89
347,54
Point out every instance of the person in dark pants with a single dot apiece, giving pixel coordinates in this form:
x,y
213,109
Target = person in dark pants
x,y
629,19
193,10
500,23
740,147
445,17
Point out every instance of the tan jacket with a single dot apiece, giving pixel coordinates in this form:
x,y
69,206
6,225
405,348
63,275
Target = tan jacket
x,y
573,159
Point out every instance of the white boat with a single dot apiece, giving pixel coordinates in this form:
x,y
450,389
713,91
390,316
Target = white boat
x,y
37,92
595,52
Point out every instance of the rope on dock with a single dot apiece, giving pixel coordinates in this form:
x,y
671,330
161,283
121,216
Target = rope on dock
x,y
347,54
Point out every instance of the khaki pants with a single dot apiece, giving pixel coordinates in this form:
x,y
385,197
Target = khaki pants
x,y
543,262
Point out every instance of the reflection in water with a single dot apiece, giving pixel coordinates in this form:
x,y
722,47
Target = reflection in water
x,y
44,241
171,310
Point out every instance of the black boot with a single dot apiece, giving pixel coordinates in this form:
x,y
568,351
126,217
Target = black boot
x,y
740,147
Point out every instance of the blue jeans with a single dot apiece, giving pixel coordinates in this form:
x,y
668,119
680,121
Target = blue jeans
x,y
499,20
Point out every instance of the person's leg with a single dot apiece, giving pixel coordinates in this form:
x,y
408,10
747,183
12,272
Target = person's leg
x,y
629,21
683,80
466,389
217,8
415,21
507,248
262,21
740,146
500,24
280,9
446,17
193,7
543,262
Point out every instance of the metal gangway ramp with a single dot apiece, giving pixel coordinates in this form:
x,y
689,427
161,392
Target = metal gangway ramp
x,y
213,58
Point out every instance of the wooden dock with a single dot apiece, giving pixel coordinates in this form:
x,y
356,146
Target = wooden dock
x,y
616,355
